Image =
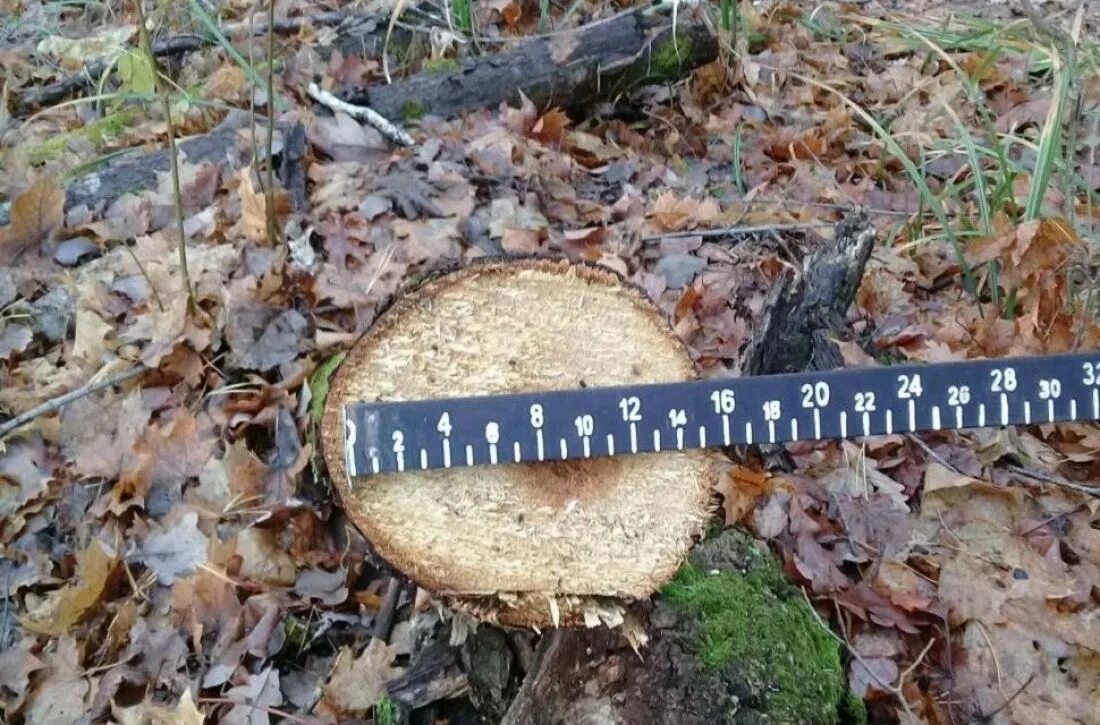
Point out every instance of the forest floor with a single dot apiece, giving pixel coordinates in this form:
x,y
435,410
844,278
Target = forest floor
x,y
168,550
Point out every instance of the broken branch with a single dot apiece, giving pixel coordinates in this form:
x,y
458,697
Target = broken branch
x,y
390,130
56,404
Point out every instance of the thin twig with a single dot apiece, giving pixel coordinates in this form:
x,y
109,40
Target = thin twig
x,y
1057,481
173,157
739,231
1006,703
61,401
269,191
388,129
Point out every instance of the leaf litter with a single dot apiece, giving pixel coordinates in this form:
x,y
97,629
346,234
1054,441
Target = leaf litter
x,y
175,538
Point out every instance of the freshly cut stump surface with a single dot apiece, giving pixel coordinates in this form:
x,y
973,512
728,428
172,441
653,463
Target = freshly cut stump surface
x,y
504,541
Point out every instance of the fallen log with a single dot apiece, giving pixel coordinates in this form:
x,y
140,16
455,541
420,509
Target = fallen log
x,y
38,97
227,145
359,33
730,640
572,70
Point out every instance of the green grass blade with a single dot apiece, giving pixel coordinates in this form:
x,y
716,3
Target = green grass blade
x,y
216,32
911,170
736,162
980,190
1049,143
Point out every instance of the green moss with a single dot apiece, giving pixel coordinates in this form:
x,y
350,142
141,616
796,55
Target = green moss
x,y
387,712
757,625
319,385
669,57
441,65
100,132
413,111
48,150
853,710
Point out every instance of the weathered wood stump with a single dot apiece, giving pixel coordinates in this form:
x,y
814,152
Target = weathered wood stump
x,y
730,639
523,544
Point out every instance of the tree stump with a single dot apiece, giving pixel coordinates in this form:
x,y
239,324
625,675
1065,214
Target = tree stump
x,y
529,544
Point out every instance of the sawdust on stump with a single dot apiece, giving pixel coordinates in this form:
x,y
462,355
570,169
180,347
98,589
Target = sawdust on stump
x,y
523,544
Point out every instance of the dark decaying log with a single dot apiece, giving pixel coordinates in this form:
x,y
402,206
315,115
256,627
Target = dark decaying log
x,y
793,332
594,676
782,669
571,70
140,171
37,97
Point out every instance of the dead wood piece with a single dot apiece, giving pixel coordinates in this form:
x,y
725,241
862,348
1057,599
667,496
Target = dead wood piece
x,y
292,170
595,677
571,70
140,171
435,675
489,664
383,125
383,623
547,536
801,312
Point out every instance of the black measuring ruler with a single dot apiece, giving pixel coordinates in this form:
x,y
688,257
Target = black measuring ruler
x,y
591,422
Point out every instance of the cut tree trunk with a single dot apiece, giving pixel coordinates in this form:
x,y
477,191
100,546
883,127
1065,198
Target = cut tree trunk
x,y
593,677
523,544
571,70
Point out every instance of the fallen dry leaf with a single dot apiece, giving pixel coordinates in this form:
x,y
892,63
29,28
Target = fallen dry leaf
x,y
35,215
261,692
175,552
359,683
262,560
65,607
550,128
62,695
742,489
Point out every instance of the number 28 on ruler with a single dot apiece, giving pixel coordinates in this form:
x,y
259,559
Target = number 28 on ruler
x,y
589,422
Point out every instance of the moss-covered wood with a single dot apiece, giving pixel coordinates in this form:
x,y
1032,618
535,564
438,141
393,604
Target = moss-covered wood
x,y
752,632
731,642
570,70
